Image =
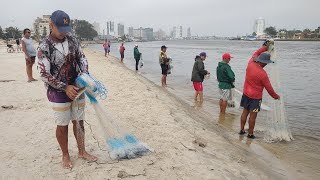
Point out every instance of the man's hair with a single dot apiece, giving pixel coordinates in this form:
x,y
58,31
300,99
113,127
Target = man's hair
x,y
25,30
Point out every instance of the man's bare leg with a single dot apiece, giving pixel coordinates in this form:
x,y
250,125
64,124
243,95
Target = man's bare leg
x,y
201,97
79,134
62,137
223,106
252,121
243,119
164,80
196,96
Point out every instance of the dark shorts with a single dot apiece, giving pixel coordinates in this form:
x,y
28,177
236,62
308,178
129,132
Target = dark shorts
x,y
122,55
164,69
253,105
106,50
30,62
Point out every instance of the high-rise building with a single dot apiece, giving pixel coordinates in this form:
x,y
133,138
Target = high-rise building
x,y
130,31
259,27
96,26
189,33
41,26
110,28
145,34
180,32
120,29
160,35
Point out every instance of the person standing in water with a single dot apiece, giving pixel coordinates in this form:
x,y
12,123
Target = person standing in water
x,y
256,80
226,78
29,52
164,63
137,55
198,73
106,47
61,60
121,50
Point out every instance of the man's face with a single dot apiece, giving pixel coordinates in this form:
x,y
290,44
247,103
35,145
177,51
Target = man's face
x,y
27,34
56,33
164,49
227,60
203,57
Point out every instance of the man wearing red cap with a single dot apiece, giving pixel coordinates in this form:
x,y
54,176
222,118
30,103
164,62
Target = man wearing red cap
x,y
256,80
226,79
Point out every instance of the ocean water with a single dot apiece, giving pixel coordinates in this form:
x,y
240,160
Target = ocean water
x,y
299,75
298,64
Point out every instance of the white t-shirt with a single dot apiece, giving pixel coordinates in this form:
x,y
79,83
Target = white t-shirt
x,y
63,47
29,47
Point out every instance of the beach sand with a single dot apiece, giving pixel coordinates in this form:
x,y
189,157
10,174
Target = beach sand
x,y
174,130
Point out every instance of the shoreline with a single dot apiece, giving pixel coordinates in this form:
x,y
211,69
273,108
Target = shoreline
x,y
155,116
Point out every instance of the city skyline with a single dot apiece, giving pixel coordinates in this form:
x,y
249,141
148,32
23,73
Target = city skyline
x,y
221,18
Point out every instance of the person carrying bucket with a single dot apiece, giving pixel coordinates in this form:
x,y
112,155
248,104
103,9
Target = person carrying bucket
x,y
61,60
256,80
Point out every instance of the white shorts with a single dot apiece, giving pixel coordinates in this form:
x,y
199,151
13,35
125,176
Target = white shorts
x,y
225,94
69,111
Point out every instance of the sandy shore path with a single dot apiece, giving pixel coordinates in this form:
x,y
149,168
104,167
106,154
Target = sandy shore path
x,y
29,149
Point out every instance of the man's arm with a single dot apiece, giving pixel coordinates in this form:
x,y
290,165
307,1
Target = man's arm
x,y
24,49
83,60
266,83
258,52
231,75
201,69
45,75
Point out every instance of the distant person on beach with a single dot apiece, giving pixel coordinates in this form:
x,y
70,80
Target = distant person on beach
x,y
136,55
226,78
121,50
198,73
164,63
18,45
106,47
29,52
109,47
61,59
256,80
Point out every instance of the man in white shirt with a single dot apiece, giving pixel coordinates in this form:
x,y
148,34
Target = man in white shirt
x,y
29,51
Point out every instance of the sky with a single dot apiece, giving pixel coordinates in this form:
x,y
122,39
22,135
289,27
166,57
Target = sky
x,y
204,17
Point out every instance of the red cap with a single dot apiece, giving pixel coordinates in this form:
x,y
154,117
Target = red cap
x,y
226,56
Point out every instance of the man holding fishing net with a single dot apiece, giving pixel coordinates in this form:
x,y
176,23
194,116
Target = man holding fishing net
x,y
60,61
256,80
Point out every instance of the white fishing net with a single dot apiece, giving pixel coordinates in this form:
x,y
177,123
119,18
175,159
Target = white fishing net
x,y
277,123
121,144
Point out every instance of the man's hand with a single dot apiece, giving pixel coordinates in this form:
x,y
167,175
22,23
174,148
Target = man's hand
x,y
72,91
278,98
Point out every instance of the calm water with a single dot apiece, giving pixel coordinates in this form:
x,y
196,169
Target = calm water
x,y
298,64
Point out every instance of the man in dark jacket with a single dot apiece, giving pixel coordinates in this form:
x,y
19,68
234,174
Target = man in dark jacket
x,y
226,79
137,55
198,73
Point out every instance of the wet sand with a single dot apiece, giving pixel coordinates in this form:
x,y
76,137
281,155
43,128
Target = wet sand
x,y
186,145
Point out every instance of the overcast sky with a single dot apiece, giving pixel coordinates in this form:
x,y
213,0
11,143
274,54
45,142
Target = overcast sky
x,y
205,17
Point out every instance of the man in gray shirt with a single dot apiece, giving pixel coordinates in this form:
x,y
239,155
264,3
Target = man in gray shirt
x,y
29,51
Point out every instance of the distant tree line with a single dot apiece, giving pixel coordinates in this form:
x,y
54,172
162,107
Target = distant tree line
x,y
81,28
290,34
10,33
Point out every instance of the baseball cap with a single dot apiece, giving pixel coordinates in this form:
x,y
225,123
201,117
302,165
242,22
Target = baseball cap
x,y
264,58
226,56
203,54
61,20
